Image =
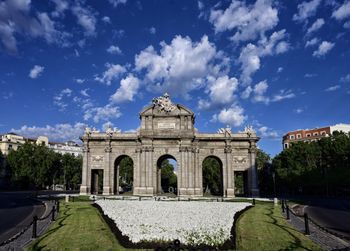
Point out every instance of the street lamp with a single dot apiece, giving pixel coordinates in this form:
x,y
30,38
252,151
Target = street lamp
x,y
274,187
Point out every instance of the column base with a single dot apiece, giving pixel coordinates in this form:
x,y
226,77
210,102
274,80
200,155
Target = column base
x,y
143,191
230,193
107,191
84,190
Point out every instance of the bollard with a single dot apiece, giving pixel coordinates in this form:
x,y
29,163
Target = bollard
x,y
306,220
72,198
282,205
253,202
53,213
35,220
58,206
139,198
287,208
67,198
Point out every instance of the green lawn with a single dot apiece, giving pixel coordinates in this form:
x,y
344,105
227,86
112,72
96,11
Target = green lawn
x,y
264,228
81,227
78,227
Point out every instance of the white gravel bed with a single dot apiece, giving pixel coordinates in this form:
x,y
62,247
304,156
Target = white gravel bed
x,y
193,223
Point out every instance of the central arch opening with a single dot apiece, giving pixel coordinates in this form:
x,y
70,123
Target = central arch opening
x,y
212,177
167,175
123,175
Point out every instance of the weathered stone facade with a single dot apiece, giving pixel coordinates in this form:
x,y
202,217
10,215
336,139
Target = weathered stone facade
x,y
167,130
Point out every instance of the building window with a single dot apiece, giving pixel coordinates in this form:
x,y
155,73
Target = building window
x,y
323,133
308,135
291,136
285,145
298,136
10,147
315,134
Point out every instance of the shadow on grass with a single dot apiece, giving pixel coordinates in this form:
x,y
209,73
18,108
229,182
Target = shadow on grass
x,y
60,220
297,243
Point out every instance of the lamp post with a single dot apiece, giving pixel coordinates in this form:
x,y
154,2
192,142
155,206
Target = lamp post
x,y
274,187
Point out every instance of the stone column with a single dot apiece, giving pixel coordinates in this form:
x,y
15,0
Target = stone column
x,y
230,191
107,168
159,180
253,184
197,186
85,182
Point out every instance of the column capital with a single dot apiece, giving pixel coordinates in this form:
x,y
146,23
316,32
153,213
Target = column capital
x,y
228,149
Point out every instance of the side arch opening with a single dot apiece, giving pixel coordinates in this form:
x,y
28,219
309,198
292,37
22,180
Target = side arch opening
x,y
213,183
123,175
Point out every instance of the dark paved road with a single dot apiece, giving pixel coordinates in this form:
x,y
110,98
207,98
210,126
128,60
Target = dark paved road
x,y
334,219
16,211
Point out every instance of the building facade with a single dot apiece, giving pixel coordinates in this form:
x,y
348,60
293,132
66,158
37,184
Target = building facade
x,y
167,131
308,135
12,141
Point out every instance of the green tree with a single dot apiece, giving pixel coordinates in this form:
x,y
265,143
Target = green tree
x,y
126,172
320,167
212,176
168,177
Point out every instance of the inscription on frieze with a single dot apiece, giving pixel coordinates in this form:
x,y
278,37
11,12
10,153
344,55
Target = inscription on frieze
x,y
165,125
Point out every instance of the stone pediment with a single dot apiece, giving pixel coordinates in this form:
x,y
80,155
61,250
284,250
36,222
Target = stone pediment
x,y
163,106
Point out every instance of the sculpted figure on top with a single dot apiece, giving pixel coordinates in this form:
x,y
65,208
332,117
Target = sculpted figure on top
x,y
164,104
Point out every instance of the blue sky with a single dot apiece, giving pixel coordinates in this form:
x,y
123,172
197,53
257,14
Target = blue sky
x,y
275,65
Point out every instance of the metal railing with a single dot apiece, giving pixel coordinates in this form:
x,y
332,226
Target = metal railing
x,y
34,223
307,219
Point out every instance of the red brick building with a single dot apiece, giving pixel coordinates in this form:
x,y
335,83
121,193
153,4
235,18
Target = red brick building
x,y
312,134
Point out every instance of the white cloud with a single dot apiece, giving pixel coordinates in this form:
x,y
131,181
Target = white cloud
x,y
316,25
106,19
249,21
79,80
58,132
86,19
345,78
259,91
306,10
250,55
246,93
347,25
127,90
299,110
152,30
36,71
114,49
58,99
222,90
233,116
104,113
266,132
283,94
113,72
280,69
84,93
342,12
312,42
323,49
61,7
332,88
181,66
115,3
16,19
310,75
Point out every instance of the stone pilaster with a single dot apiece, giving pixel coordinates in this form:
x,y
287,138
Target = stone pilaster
x,y
252,172
85,182
107,169
230,190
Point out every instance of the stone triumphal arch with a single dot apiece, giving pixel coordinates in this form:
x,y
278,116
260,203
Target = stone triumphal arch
x,y
167,130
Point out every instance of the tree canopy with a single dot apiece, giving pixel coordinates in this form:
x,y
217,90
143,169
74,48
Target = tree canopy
x,y
36,166
212,176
